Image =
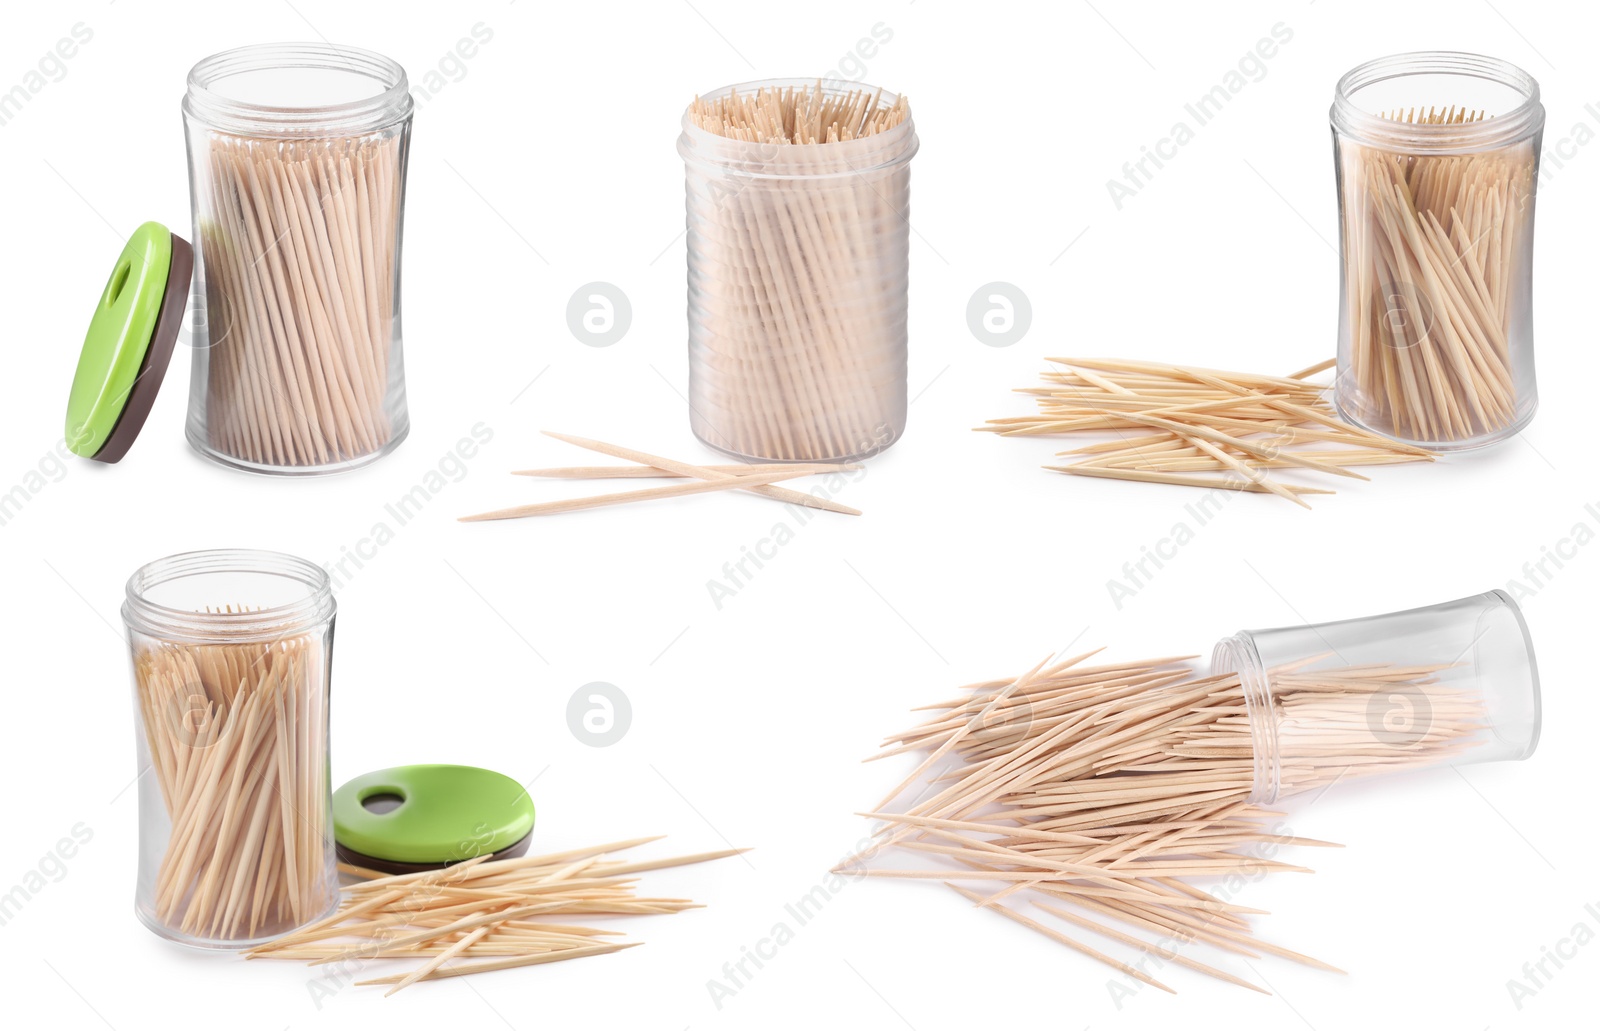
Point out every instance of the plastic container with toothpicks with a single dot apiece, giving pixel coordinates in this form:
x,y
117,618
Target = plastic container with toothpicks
x,y
297,167
231,658
1437,158
798,239
1149,793
1449,683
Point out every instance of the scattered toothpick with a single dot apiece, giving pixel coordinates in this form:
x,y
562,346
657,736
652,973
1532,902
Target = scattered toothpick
x,y
756,479
1194,427
495,914
1104,790
650,472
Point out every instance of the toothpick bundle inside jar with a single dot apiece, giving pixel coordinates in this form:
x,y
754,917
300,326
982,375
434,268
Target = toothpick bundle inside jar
x,y
1437,161
798,238
297,168
231,653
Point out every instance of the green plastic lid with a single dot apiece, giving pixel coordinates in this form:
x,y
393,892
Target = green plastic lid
x,y
129,343
431,814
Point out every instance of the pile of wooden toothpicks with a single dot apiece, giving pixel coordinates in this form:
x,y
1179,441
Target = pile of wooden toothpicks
x,y
481,915
1195,427
1120,798
757,479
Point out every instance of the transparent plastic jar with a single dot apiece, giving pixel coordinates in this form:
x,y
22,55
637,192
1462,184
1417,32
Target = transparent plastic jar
x,y
798,259
1450,683
297,166
231,658
1437,158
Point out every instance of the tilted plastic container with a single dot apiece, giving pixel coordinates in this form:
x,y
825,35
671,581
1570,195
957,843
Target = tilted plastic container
x,y
1449,683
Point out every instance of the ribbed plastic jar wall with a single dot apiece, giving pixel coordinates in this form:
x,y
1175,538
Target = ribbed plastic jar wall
x,y
798,261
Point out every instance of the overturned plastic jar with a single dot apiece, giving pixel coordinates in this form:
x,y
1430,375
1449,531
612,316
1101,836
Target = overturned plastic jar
x,y
799,195
1443,684
231,657
297,168
1437,158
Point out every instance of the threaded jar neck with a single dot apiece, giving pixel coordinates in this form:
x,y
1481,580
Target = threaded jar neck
x,y
1238,655
1515,114
297,90
227,596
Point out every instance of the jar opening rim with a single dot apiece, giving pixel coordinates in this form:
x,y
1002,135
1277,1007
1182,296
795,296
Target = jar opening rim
x,y
1352,120
1238,655
315,604
209,100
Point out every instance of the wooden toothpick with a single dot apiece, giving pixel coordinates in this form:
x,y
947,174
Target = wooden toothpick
x,y
792,497
627,497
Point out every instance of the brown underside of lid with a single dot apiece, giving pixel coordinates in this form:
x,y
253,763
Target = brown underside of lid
x,y
366,862
142,395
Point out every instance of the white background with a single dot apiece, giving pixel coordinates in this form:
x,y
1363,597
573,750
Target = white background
x,y
550,163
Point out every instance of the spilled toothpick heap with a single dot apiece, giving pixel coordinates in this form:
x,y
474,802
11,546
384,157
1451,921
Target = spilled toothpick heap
x,y
756,479
1197,427
482,915
1096,795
